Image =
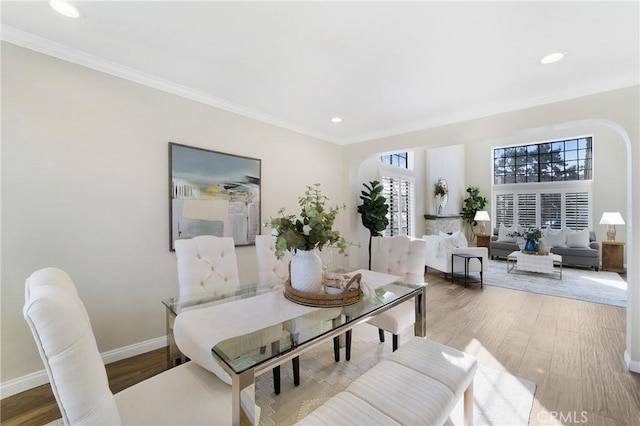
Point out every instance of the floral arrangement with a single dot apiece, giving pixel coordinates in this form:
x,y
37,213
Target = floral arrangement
x,y
311,229
532,234
441,189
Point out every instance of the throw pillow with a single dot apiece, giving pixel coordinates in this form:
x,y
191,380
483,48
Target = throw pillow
x,y
578,239
460,238
554,237
503,234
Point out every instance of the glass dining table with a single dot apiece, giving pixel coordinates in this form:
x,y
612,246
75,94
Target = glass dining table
x,y
247,355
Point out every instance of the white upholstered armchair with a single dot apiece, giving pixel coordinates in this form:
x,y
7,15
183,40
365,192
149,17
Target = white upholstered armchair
x,y
439,250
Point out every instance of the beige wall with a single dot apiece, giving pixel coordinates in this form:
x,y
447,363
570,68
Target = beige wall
x,y
85,187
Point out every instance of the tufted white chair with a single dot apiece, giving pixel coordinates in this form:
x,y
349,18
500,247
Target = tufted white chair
x,y
271,269
404,256
60,325
209,264
206,264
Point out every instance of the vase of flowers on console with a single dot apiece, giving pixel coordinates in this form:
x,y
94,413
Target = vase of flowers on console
x,y
301,234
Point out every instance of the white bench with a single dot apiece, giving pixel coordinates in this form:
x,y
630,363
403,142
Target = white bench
x,y
419,384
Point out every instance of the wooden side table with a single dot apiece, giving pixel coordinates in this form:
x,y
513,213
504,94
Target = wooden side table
x,y
613,256
482,240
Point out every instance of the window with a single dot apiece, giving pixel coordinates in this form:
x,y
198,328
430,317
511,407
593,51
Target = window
x,y
398,159
545,184
568,160
399,192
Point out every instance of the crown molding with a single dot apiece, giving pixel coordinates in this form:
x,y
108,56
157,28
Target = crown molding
x,y
60,51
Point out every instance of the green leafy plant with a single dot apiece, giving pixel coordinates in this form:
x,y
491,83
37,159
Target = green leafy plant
x,y
472,204
313,228
374,211
533,234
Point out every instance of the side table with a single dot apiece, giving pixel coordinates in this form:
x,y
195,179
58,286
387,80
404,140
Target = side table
x,y
482,240
467,257
613,256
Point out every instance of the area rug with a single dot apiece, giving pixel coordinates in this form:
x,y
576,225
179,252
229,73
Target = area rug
x,y
499,397
603,287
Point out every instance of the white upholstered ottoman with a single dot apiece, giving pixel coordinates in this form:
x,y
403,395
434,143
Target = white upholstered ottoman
x,y
419,384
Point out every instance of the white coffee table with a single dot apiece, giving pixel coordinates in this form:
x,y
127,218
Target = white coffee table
x,y
541,264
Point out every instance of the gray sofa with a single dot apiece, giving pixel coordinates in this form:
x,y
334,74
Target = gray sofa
x,y
570,255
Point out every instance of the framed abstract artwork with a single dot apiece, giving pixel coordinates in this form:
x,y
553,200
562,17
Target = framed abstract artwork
x,y
213,193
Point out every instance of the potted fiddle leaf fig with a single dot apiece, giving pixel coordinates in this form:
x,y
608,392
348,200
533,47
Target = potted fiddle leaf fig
x,y
472,204
374,211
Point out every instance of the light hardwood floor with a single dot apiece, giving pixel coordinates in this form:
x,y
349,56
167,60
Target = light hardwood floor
x,y
572,350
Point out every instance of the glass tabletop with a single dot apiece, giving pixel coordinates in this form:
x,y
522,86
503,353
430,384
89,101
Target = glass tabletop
x,y
250,350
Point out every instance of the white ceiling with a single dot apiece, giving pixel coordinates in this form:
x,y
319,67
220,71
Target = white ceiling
x,y
384,67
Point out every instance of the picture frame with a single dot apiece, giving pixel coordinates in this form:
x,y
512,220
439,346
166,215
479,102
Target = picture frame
x,y
213,193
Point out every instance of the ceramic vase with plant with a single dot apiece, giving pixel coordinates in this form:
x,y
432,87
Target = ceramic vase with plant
x,y
300,234
531,236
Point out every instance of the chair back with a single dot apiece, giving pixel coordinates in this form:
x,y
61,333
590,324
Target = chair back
x,y
270,268
62,331
399,255
206,264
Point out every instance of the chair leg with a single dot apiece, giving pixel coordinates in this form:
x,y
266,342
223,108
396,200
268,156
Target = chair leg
x,y
348,345
336,348
381,334
395,342
468,406
276,380
296,370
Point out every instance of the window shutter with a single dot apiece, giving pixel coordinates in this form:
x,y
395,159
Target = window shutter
x,y
551,210
400,196
504,209
577,210
527,210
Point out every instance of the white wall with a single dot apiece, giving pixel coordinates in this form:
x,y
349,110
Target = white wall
x,y
85,188
448,163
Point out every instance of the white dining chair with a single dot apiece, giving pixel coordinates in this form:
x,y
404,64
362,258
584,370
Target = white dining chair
x,y
403,256
208,264
272,270
185,395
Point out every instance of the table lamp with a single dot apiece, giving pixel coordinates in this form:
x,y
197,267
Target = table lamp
x,y
481,216
611,219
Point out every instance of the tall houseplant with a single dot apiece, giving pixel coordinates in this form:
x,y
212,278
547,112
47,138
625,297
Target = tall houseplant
x,y
472,204
374,211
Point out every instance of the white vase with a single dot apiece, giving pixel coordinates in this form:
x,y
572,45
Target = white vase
x,y
306,272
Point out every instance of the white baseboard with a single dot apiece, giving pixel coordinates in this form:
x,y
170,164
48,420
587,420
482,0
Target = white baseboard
x,y
39,378
631,365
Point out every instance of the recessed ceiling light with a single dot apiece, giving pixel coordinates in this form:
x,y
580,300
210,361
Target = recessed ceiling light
x,y
64,8
336,120
552,57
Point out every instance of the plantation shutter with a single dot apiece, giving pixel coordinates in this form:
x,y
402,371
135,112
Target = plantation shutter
x,y
399,192
577,210
504,209
527,210
551,210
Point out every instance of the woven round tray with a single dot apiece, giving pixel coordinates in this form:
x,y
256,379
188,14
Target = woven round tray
x,y
347,297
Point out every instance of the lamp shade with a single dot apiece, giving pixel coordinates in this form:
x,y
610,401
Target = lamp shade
x,y
481,215
611,218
